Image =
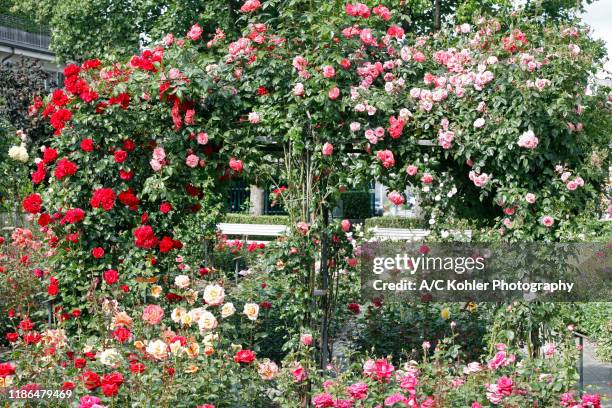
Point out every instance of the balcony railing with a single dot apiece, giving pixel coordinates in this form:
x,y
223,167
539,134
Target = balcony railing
x,y
18,32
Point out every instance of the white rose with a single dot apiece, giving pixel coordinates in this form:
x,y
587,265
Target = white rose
x,y
182,281
227,310
110,357
18,153
251,310
207,322
158,349
177,314
214,295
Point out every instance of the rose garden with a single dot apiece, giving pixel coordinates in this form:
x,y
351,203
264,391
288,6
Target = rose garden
x,y
120,288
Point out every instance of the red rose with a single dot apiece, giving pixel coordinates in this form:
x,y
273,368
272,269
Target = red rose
x,y
53,288
120,156
165,207
244,356
25,325
71,70
59,98
103,198
68,385
44,219
12,337
137,368
76,313
90,355
354,307
91,380
126,175
122,334
110,389
113,378
265,305
6,369
87,145
73,215
32,337
80,362
49,155
129,199
145,238
39,175
110,276
32,203
129,145
97,252
166,244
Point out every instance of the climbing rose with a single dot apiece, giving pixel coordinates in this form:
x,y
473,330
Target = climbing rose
x,y
64,168
334,93
412,170
386,157
195,32
302,227
145,238
87,145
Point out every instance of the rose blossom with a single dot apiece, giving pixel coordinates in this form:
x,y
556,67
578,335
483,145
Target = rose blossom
x,y
396,198
254,117
182,281
202,138
267,370
346,225
478,123
251,311
548,221
306,339
334,93
153,314
528,140
329,71
192,161
530,198
298,89
214,295
157,349
227,310
302,227
411,170
328,149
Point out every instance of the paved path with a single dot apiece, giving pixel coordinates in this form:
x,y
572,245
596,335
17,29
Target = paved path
x,y
597,375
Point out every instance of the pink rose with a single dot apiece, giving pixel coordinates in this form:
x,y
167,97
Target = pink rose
x,y
412,170
328,149
386,157
548,221
528,140
329,71
195,32
334,93
302,227
236,165
427,178
346,225
202,138
298,89
153,314
299,374
306,339
396,198
192,161
530,198
358,390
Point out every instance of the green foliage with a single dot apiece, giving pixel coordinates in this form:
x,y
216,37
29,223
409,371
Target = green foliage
x,y
256,219
596,322
394,222
356,205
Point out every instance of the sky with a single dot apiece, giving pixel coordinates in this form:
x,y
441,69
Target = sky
x,y
599,16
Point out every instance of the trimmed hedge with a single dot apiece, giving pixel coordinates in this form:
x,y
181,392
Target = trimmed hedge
x,y
395,222
256,219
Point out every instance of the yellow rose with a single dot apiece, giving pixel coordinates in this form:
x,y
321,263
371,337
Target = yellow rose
x,y
139,344
445,313
193,349
227,310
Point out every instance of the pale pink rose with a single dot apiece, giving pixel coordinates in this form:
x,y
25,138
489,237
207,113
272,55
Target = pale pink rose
x,y
306,339
329,71
328,149
192,161
565,176
153,314
334,93
298,89
355,126
530,198
419,56
202,138
508,222
478,123
159,154
302,227
574,49
528,140
254,117
548,221
168,39
412,170
155,165
471,368
579,181
571,185
346,225
549,350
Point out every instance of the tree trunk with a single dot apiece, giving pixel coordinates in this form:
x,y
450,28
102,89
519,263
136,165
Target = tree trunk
x,y
436,15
